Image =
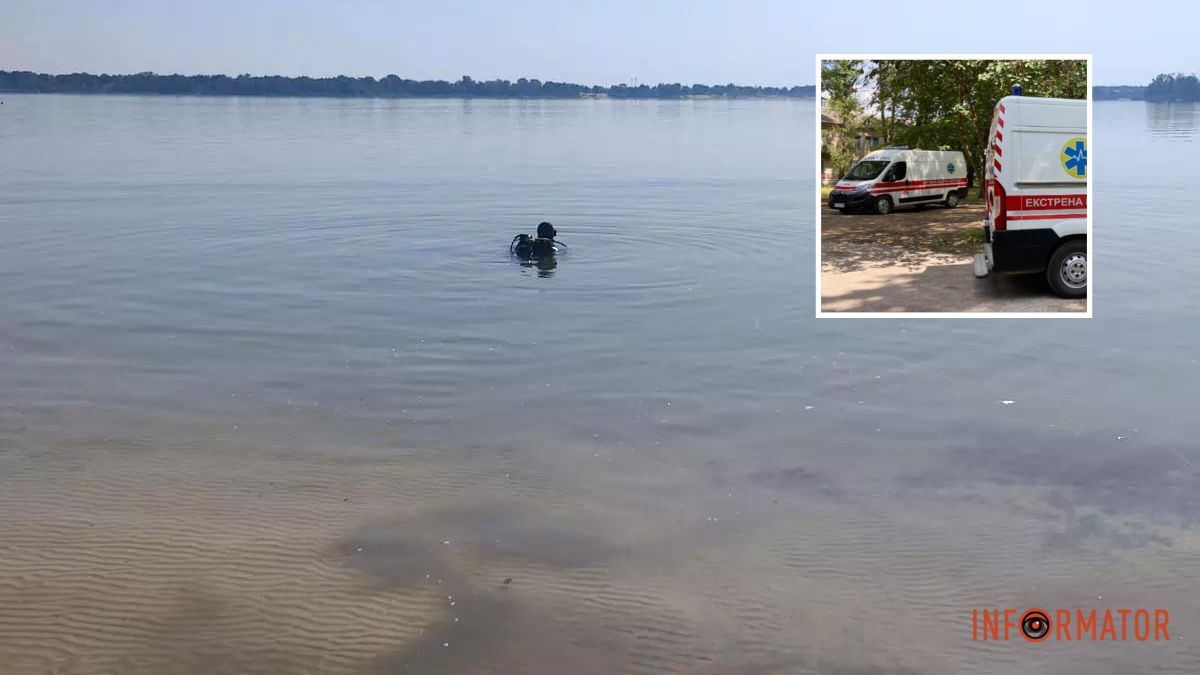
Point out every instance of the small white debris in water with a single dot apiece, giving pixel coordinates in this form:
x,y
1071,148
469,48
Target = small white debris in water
x,y
451,603
595,454
426,576
446,543
1120,438
878,377
445,644
1007,402
359,549
808,407
456,619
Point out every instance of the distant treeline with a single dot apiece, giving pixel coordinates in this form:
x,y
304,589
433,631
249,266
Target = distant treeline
x,y
1173,87
1119,92
365,87
1164,87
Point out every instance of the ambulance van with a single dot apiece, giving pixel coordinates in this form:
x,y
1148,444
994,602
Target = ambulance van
x,y
1036,173
891,178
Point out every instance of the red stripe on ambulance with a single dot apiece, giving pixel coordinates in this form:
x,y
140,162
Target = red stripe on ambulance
x,y
1046,216
901,186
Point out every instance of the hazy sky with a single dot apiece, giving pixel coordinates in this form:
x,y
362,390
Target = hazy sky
x,y
584,41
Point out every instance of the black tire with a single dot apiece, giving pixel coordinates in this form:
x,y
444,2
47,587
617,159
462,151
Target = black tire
x,y
1067,271
951,200
883,205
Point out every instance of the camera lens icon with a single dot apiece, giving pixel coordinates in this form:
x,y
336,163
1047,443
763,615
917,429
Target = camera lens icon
x,y
1035,625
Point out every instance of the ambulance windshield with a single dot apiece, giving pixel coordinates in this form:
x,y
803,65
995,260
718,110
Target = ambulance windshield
x,y
866,170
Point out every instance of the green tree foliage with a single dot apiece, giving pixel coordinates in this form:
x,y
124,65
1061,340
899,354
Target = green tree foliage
x,y
948,104
841,80
367,87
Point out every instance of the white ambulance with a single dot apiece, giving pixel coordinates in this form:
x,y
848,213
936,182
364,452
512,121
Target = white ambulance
x,y
1036,173
890,178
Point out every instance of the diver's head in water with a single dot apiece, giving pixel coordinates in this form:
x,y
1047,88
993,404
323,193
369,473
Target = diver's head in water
x,y
534,248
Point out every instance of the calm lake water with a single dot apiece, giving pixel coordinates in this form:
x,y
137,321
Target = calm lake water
x,y
276,399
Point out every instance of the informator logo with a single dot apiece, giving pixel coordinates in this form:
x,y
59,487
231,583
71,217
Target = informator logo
x,y
1141,624
1074,158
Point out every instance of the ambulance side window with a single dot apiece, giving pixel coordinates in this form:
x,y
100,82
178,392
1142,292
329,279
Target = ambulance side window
x,y
898,171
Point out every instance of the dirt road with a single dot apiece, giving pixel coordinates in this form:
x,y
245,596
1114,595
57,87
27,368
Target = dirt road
x,y
920,261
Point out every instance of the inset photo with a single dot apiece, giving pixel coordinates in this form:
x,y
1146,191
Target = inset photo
x,y
954,185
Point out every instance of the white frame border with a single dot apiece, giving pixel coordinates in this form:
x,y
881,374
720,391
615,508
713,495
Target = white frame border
x,y
951,315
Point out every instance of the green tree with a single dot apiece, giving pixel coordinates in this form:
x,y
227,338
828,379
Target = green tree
x,y
841,80
948,104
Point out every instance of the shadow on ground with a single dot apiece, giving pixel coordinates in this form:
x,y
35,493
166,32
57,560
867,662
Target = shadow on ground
x,y
943,288
910,236
920,261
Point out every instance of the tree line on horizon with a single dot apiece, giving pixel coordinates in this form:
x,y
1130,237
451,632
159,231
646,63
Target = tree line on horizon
x,y
1173,87
390,86
1164,87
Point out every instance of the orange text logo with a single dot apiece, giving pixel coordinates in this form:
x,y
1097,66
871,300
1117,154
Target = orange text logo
x,y
1036,625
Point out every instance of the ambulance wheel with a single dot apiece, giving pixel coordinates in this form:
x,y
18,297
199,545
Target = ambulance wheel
x,y
952,200
883,205
1067,271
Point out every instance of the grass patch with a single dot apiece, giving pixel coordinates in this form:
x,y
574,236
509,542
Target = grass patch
x,y
967,242
973,236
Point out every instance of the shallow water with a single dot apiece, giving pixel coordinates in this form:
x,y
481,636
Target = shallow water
x,y
267,365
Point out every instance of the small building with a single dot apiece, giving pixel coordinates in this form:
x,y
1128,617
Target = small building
x,y
833,136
